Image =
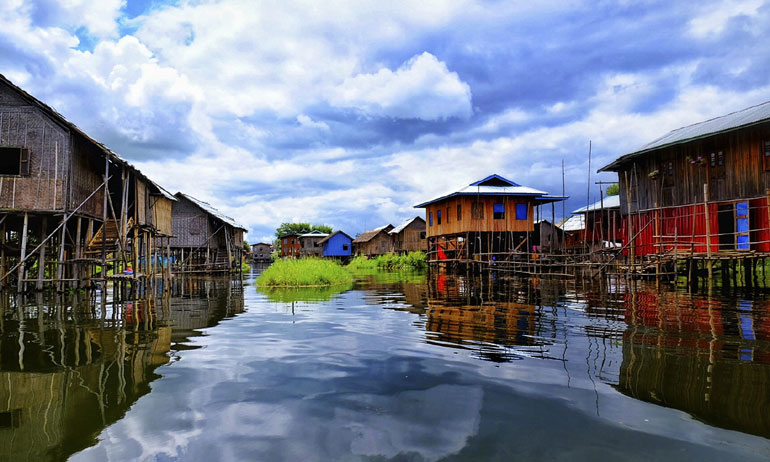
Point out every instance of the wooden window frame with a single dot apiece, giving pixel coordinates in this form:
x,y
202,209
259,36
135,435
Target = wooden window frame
x,y
765,151
459,212
23,165
438,217
498,215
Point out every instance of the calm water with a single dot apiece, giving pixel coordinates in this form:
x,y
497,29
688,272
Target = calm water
x,y
396,367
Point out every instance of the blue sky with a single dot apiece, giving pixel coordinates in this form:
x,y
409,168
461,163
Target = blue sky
x,y
348,113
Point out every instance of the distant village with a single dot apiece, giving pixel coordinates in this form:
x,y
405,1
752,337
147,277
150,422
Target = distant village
x,y
75,212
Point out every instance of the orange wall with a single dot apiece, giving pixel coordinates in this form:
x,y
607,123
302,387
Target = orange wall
x,y
469,224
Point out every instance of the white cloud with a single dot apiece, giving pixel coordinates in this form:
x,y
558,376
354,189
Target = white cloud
x,y
307,122
422,88
713,17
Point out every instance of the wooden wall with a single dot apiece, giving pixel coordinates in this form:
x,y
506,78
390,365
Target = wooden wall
x,y
48,143
161,213
141,205
409,238
87,175
680,182
190,225
381,244
451,225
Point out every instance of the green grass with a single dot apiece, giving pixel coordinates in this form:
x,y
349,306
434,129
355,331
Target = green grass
x,y
410,261
305,272
245,267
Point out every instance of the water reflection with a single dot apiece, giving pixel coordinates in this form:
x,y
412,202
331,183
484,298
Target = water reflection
x,y
68,368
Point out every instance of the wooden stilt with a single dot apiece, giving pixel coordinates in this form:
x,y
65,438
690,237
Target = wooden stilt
x,y
2,254
41,260
21,274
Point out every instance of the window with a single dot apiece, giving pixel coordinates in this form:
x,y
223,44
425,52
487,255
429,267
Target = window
x,y
14,161
713,158
766,154
499,212
720,158
422,234
430,218
459,212
671,168
285,241
477,211
447,215
345,246
438,216
521,211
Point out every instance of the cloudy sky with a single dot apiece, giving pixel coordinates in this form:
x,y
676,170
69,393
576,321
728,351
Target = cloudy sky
x,y
348,112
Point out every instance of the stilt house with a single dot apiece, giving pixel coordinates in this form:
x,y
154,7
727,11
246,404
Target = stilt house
x,y
204,238
310,244
701,189
53,179
409,236
374,242
489,219
261,251
337,245
290,245
600,225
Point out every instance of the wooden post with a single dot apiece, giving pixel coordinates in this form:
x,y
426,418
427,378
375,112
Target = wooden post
x,y
104,223
2,253
629,223
20,284
41,260
60,263
708,229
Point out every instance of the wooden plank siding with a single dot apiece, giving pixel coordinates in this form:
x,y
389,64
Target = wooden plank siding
x,y
161,208
679,182
467,223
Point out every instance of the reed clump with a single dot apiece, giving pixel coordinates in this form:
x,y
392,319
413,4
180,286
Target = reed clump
x,y
409,261
304,272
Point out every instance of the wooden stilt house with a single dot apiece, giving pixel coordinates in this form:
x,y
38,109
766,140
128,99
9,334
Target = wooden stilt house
x,y
290,245
261,251
374,242
310,244
596,226
489,219
701,190
205,240
337,245
409,236
54,212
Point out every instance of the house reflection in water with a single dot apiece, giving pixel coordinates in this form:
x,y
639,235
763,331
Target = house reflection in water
x,y
488,317
707,357
66,372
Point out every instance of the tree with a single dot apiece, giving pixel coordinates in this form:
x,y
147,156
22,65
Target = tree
x,y
613,190
300,228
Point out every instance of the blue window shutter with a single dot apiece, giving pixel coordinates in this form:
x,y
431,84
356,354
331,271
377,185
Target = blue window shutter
x,y
521,211
430,218
499,208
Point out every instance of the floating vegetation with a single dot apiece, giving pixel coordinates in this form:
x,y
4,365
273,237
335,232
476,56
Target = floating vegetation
x,y
410,261
305,272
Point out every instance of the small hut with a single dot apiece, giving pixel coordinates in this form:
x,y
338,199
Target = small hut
x,y
374,242
337,245
409,236
309,244
489,219
204,238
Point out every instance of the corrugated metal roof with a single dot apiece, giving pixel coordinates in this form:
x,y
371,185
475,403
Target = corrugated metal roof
x,y
211,210
496,186
743,118
610,202
314,233
574,223
369,235
404,224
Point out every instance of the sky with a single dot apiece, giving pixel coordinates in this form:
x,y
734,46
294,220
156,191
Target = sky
x,y
348,113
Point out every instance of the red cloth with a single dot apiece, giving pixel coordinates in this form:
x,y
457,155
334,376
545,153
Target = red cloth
x,y
441,254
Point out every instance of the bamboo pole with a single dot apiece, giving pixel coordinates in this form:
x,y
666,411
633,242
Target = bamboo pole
x,y
41,260
710,263
23,255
